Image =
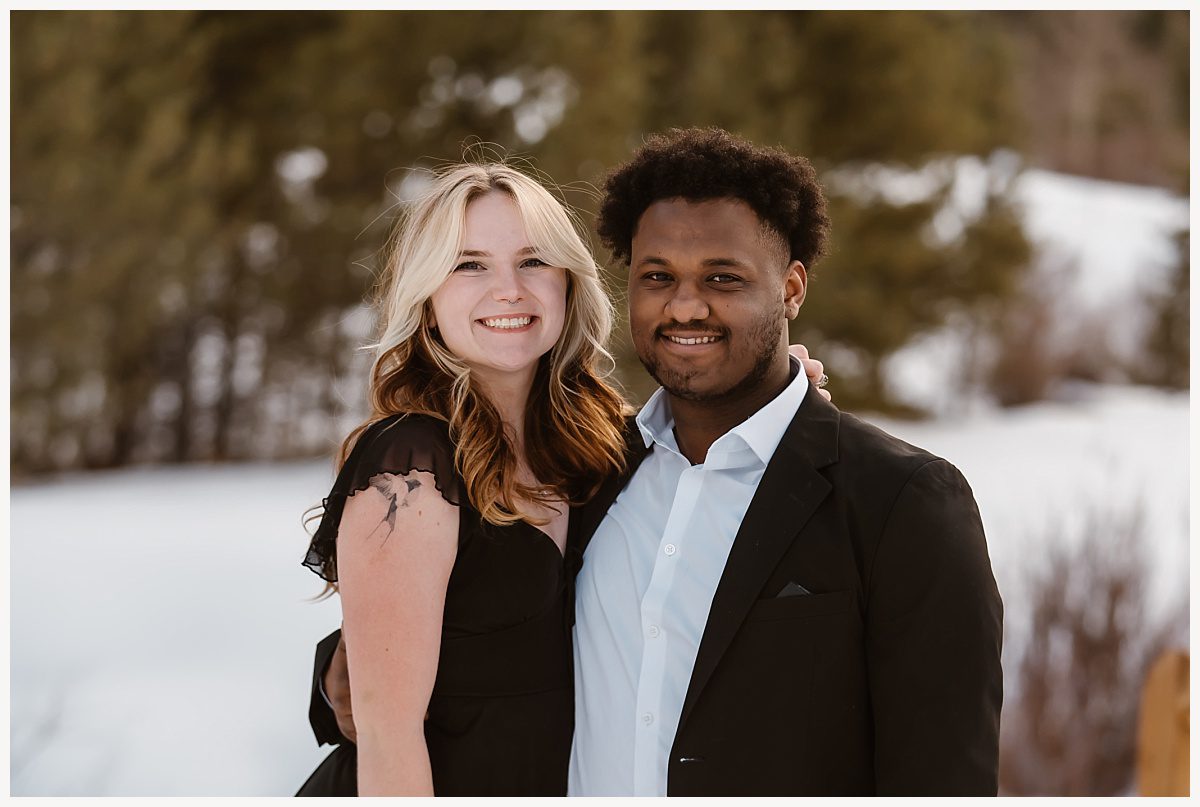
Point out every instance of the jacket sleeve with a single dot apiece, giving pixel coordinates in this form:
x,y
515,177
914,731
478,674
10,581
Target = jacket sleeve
x,y
320,715
934,631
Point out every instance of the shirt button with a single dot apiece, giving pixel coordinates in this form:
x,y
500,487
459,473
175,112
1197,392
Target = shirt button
x,y
669,549
653,631
647,718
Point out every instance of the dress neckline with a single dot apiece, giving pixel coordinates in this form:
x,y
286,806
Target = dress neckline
x,y
562,554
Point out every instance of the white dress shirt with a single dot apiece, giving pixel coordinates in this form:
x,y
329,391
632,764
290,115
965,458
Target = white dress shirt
x,y
645,589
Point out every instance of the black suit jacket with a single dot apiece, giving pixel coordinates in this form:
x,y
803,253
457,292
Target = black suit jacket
x,y
320,716
886,678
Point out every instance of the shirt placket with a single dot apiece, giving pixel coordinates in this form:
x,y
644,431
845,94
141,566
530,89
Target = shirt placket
x,y
649,757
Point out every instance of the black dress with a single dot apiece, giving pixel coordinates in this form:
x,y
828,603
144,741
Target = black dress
x,y
501,713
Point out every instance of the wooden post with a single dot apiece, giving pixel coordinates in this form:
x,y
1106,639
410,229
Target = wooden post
x,y
1163,728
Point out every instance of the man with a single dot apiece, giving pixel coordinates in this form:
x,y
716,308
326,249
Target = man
x,y
778,599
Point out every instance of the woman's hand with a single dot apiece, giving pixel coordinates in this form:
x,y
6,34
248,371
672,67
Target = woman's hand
x,y
812,368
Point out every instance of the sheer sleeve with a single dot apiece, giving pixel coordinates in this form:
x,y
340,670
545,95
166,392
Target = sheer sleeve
x,y
395,445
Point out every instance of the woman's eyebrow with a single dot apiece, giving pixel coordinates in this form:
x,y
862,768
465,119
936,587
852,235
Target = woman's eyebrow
x,y
479,253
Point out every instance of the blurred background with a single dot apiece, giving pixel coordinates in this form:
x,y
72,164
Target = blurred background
x,y
198,203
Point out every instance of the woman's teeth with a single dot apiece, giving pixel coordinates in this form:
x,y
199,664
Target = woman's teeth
x,y
517,322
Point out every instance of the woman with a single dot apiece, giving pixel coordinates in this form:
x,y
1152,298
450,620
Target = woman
x,y
446,527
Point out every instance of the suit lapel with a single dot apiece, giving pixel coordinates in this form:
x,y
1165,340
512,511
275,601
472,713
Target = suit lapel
x,y
790,491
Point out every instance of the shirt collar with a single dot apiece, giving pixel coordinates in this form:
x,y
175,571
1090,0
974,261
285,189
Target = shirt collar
x,y
761,432
655,421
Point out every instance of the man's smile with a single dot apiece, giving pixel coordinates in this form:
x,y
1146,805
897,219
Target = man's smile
x,y
690,342
696,340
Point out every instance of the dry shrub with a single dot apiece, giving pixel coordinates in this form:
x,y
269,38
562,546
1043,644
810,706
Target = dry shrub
x,y
1165,360
1069,723
1039,340
1027,362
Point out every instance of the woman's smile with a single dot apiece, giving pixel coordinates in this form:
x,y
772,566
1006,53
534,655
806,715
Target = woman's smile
x,y
512,323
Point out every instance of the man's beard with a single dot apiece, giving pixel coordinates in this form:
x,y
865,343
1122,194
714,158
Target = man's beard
x,y
763,341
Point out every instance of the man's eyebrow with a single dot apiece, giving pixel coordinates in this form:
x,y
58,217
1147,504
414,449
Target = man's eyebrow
x,y
654,260
724,262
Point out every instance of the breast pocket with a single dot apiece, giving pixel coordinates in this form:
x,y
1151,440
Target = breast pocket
x,y
804,606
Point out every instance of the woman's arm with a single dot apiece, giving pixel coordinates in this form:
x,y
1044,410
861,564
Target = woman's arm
x,y
396,546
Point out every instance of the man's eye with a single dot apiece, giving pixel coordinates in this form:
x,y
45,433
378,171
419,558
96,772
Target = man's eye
x,y
468,266
656,277
724,279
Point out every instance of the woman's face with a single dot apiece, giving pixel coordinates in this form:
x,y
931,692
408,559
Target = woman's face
x,y
502,308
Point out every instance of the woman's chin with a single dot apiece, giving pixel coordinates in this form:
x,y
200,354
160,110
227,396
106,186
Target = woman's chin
x,y
505,369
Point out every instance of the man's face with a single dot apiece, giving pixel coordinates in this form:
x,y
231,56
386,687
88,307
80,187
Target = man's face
x,y
710,293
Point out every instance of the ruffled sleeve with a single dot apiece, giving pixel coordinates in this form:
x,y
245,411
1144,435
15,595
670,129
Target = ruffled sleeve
x,y
395,445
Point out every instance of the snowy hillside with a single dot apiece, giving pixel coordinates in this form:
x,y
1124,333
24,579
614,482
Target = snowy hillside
x,y
1099,247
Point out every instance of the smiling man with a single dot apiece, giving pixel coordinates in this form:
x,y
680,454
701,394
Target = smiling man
x,y
780,599
708,292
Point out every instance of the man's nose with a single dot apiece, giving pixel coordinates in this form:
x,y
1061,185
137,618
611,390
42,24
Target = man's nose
x,y
686,304
507,286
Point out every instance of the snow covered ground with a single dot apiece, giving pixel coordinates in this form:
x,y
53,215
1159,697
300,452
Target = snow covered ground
x,y
161,639
160,634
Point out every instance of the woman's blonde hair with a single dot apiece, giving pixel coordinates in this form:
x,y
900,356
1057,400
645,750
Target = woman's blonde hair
x,y
574,419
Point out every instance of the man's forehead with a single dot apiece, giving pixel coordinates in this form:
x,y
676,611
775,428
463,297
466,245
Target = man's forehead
x,y
724,223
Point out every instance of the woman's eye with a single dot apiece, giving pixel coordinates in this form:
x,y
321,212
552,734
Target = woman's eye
x,y
534,262
468,266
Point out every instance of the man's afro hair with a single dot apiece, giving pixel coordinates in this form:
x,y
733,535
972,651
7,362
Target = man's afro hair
x,y
698,164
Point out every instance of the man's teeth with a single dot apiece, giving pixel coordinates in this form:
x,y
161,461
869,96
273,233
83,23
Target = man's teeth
x,y
697,340
517,322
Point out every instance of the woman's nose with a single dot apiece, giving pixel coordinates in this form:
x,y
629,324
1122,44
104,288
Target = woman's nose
x,y
508,287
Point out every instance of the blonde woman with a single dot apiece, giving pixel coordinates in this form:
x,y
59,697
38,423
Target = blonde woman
x,y
446,528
